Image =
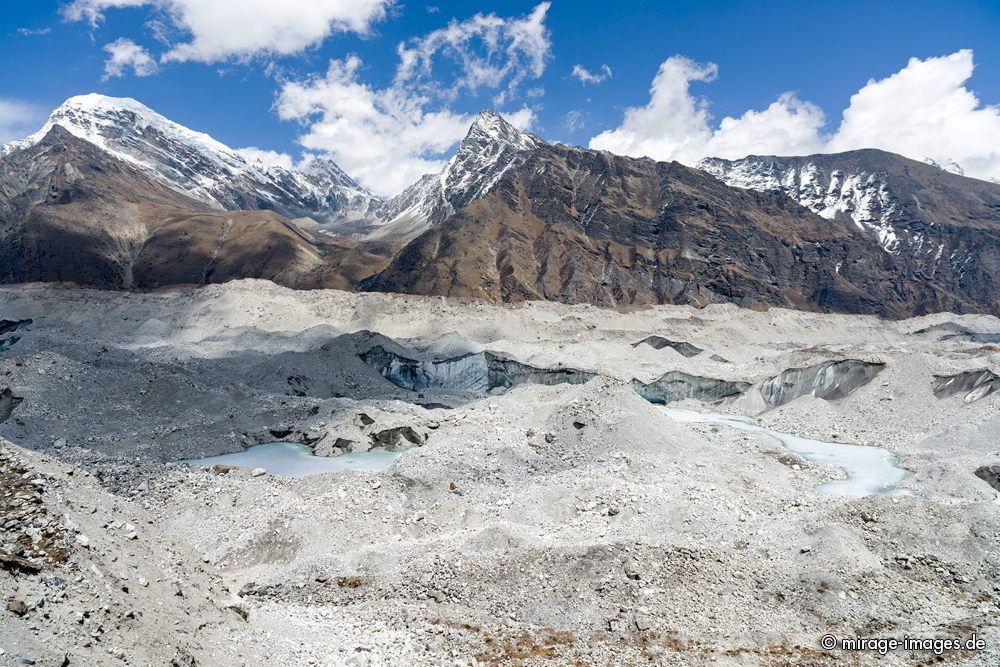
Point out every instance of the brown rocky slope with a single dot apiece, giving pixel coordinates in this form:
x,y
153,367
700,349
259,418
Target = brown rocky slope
x,y
556,223
71,212
581,226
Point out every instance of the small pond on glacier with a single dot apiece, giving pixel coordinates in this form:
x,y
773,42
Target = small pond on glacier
x,y
287,459
870,470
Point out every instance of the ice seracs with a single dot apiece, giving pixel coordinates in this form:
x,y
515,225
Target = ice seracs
x,y
198,165
491,147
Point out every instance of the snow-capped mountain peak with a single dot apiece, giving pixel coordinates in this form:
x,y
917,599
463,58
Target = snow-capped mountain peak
x,y
201,167
325,170
948,165
121,125
490,148
490,127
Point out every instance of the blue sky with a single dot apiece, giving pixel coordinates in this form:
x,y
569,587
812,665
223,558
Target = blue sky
x,y
245,94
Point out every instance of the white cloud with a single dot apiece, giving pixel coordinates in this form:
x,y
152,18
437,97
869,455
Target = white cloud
x,y
384,138
223,29
492,53
124,54
388,137
266,158
18,119
573,120
587,77
789,126
924,110
674,125
33,32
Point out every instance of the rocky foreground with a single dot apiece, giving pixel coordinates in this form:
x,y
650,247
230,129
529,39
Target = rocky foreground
x,y
543,513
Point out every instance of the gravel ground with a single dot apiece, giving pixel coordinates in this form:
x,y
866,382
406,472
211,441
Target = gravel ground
x,y
567,524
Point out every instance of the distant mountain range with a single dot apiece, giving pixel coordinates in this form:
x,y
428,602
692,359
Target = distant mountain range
x,y
109,193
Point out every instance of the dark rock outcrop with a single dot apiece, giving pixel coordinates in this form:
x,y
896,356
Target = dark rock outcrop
x,y
394,439
990,475
7,329
659,342
285,434
8,401
676,385
955,331
974,384
9,326
830,380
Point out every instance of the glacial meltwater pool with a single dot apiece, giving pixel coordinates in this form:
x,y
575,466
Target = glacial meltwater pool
x,y
870,470
286,459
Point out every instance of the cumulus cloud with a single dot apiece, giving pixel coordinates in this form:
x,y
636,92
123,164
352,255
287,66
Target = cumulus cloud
x,y
266,158
123,55
18,119
493,53
385,138
789,126
224,29
587,78
924,110
673,125
676,125
388,137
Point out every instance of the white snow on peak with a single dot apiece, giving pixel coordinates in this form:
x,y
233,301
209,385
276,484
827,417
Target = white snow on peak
x,y
492,127
947,164
490,148
197,165
97,118
862,196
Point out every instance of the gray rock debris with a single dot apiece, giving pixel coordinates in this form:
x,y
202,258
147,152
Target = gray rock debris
x,y
659,342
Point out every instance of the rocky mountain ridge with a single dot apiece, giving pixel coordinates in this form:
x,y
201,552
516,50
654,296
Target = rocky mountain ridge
x,y
896,198
581,226
114,195
204,169
491,147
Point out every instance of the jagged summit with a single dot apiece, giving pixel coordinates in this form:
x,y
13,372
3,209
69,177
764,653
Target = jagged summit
x,y
491,127
201,167
325,170
491,147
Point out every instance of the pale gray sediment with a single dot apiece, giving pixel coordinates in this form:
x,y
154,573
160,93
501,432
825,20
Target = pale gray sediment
x,y
521,518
